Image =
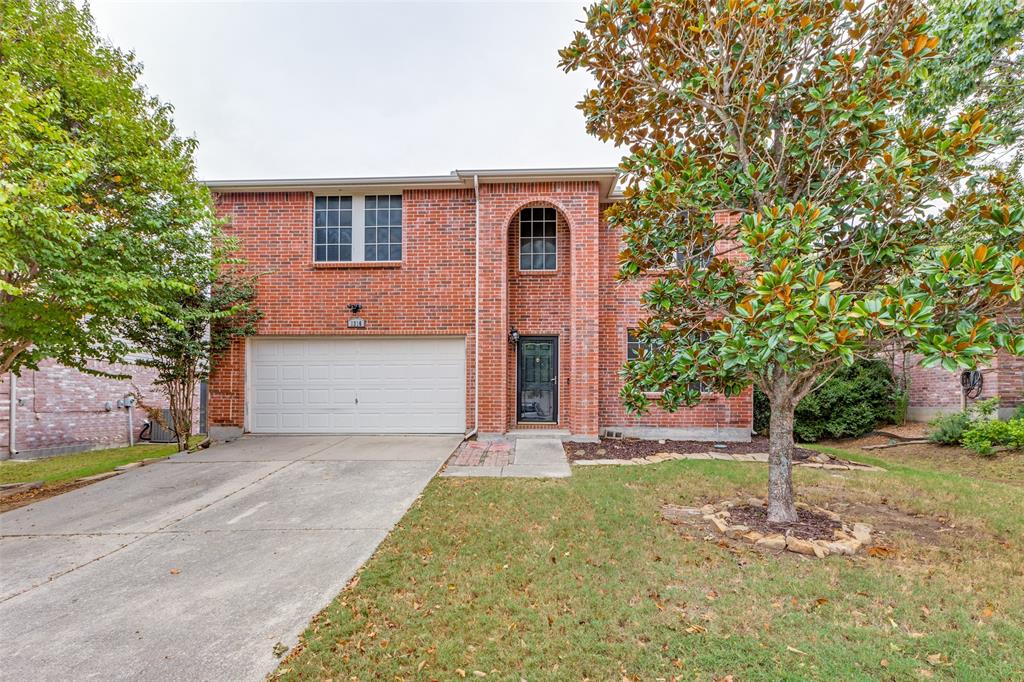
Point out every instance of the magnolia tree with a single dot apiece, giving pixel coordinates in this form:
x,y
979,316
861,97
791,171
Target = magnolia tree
x,y
794,116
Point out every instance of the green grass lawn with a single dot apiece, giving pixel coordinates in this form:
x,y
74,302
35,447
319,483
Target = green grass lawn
x,y
69,467
580,579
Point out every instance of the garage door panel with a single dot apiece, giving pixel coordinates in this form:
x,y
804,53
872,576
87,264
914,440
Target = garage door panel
x,y
364,385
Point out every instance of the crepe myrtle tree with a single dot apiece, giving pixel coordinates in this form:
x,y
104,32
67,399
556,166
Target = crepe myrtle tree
x,y
792,116
181,339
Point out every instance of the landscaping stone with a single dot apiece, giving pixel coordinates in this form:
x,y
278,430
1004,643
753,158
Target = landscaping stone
x,y
847,546
805,547
720,525
862,532
774,541
736,531
846,541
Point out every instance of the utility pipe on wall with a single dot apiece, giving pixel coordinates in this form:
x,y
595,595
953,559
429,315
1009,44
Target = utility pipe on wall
x,y
12,420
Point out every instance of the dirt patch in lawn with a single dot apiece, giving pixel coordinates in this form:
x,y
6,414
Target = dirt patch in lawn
x,y
29,496
631,448
888,519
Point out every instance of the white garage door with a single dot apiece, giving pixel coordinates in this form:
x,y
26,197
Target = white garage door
x,y
358,385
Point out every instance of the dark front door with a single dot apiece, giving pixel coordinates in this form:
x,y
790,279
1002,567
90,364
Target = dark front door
x,y
537,362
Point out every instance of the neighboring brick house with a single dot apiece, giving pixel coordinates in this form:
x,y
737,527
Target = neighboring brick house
x,y
388,301
59,410
935,391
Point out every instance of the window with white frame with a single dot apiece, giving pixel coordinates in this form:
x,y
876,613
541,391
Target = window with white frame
x,y
357,228
332,229
537,239
383,230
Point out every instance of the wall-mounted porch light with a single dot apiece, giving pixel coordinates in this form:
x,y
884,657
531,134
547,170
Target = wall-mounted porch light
x,y
513,336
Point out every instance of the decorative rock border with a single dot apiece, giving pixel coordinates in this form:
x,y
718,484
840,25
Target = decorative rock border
x,y
845,541
816,462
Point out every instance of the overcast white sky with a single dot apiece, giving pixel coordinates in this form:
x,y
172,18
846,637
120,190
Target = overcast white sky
x,y
338,89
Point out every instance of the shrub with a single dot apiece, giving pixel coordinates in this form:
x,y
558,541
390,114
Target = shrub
x,y
762,412
1019,412
850,404
949,429
987,433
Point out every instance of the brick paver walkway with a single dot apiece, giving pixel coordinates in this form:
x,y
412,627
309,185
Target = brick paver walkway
x,y
488,453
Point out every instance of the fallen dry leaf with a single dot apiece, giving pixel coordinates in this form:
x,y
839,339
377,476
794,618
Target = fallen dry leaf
x,y
820,601
175,571
796,651
880,551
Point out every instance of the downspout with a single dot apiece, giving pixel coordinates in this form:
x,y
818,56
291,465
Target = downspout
x,y
476,312
12,418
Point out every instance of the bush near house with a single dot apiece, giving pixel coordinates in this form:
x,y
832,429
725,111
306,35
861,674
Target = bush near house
x,y
850,404
977,430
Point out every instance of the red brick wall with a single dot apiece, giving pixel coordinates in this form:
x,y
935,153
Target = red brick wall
x,y
933,389
430,293
539,305
621,311
61,406
577,203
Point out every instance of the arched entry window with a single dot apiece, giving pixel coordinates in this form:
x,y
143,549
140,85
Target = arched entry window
x,y
537,240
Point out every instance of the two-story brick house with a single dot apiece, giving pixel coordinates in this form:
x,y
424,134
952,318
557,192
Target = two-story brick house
x,y
480,301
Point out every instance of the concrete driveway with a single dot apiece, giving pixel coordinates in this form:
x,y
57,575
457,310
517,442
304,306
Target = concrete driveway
x,y
194,568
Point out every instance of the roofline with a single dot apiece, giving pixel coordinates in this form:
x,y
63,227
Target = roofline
x,y
606,177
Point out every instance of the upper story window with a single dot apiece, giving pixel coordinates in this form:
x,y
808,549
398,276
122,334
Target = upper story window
x,y
537,241
357,228
383,231
332,229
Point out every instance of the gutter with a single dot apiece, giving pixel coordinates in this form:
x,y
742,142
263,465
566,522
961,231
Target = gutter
x,y
476,313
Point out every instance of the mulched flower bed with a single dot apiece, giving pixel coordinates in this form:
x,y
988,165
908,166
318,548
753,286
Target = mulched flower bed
x,y
808,525
631,448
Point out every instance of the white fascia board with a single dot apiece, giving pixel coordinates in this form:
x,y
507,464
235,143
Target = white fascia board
x,y
606,177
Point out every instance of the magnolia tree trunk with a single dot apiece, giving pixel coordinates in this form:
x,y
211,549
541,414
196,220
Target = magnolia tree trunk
x,y
781,506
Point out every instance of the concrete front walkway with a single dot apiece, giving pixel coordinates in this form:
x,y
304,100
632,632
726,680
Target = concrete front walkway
x,y
529,458
196,567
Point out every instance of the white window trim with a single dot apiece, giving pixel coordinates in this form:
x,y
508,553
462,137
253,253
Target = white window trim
x,y
519,242
358,229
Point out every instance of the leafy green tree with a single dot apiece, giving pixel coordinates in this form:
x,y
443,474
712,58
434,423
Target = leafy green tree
x,y
97,193
190,329
793,115
979,65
